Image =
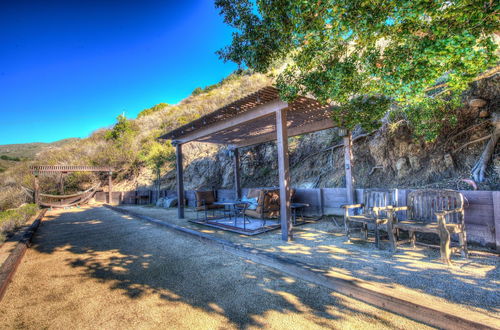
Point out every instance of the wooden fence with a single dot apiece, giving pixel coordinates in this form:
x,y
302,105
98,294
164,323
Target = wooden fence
x,y
482,212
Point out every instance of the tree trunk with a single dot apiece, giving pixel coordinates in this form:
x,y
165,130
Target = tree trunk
x,y
479,170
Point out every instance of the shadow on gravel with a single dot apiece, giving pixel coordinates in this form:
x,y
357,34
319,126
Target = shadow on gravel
x,y
140,259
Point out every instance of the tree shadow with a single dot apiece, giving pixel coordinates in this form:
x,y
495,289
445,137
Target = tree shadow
x,y
138,258
322,248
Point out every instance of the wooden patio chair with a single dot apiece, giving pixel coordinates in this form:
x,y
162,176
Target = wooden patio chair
x,y
205,202
371,212
268,203
433,211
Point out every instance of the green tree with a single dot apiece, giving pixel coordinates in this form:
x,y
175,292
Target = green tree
x,y
359,54
122,128
156,155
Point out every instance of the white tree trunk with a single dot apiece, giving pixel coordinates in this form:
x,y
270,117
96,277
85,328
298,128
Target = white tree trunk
x,y
479,170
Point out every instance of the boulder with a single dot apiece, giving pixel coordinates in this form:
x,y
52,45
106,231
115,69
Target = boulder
x,y
477,103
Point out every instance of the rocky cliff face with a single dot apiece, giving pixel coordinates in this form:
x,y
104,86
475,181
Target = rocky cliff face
x,y
389,157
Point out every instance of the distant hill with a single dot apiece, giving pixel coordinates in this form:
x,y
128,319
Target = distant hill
x,y
28,151
12,154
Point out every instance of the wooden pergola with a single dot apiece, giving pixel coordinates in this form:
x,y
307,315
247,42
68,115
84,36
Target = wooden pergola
x,y
257,118
65,169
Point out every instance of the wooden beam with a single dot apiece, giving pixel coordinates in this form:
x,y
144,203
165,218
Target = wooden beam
x,y
110,188
9,266
496,217
61,183
284,175
36,189
68,168
180,180
236,165
307,128
348,167
250,115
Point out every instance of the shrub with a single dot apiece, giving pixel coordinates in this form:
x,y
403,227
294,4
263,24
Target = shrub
x,y
14,218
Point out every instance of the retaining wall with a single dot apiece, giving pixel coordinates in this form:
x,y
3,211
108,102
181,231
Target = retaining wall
x,y
482,212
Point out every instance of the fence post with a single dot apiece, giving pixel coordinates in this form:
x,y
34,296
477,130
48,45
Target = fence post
x,y
496,217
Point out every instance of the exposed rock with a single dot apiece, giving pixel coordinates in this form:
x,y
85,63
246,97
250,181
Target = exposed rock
x,y
448,161
484,113
477,103
402,167
414,163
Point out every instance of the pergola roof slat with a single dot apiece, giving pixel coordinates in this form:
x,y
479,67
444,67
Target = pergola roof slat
x,y
251,119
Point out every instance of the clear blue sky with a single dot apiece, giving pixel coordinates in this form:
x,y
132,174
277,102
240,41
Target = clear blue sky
x,y
70,67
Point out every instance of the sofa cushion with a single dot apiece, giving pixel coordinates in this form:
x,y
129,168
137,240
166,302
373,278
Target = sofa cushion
x,y
204,198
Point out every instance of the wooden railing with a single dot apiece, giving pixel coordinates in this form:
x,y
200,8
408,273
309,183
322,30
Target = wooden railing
x,y
69,168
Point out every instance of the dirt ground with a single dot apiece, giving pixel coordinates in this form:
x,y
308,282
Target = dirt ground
x,y
94,268
416,273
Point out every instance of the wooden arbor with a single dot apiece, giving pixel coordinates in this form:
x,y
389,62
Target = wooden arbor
x,y
257,118
65,169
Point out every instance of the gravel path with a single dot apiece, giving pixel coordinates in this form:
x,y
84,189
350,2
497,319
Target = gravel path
x,y
418,273
94,268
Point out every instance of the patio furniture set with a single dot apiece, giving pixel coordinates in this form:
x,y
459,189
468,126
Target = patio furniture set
x,y
432,211
258,204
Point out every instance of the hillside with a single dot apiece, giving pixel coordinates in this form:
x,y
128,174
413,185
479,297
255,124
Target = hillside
x,y
12,154
391,156
29,151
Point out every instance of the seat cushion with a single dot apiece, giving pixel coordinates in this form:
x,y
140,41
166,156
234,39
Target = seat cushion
x,y
204,197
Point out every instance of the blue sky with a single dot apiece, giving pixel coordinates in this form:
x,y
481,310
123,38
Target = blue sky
x,y
68,68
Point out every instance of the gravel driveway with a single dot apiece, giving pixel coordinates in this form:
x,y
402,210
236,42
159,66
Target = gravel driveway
x,y
94,268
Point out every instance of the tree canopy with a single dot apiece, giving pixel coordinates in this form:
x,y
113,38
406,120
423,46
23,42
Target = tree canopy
x,y
360,54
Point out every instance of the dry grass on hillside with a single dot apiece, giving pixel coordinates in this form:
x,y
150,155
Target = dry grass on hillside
x,y
128,154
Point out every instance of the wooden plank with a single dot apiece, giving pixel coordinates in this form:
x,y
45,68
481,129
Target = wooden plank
x,y
245,117
236,169
348,168
110,187
9,266
36,188
190,198
284,175
307,128
480,234
311,197
480,214
225,194
61,183
180,181
68,168
496,216
478,197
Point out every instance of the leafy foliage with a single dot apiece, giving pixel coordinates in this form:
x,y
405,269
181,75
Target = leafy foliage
x,y
14,218
14,159
431,115
349,51
156,155
122,129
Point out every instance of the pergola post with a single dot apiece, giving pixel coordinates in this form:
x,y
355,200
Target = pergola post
x,y
236,165
61,183
180,180
110,187
348,167
284,174
36,189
